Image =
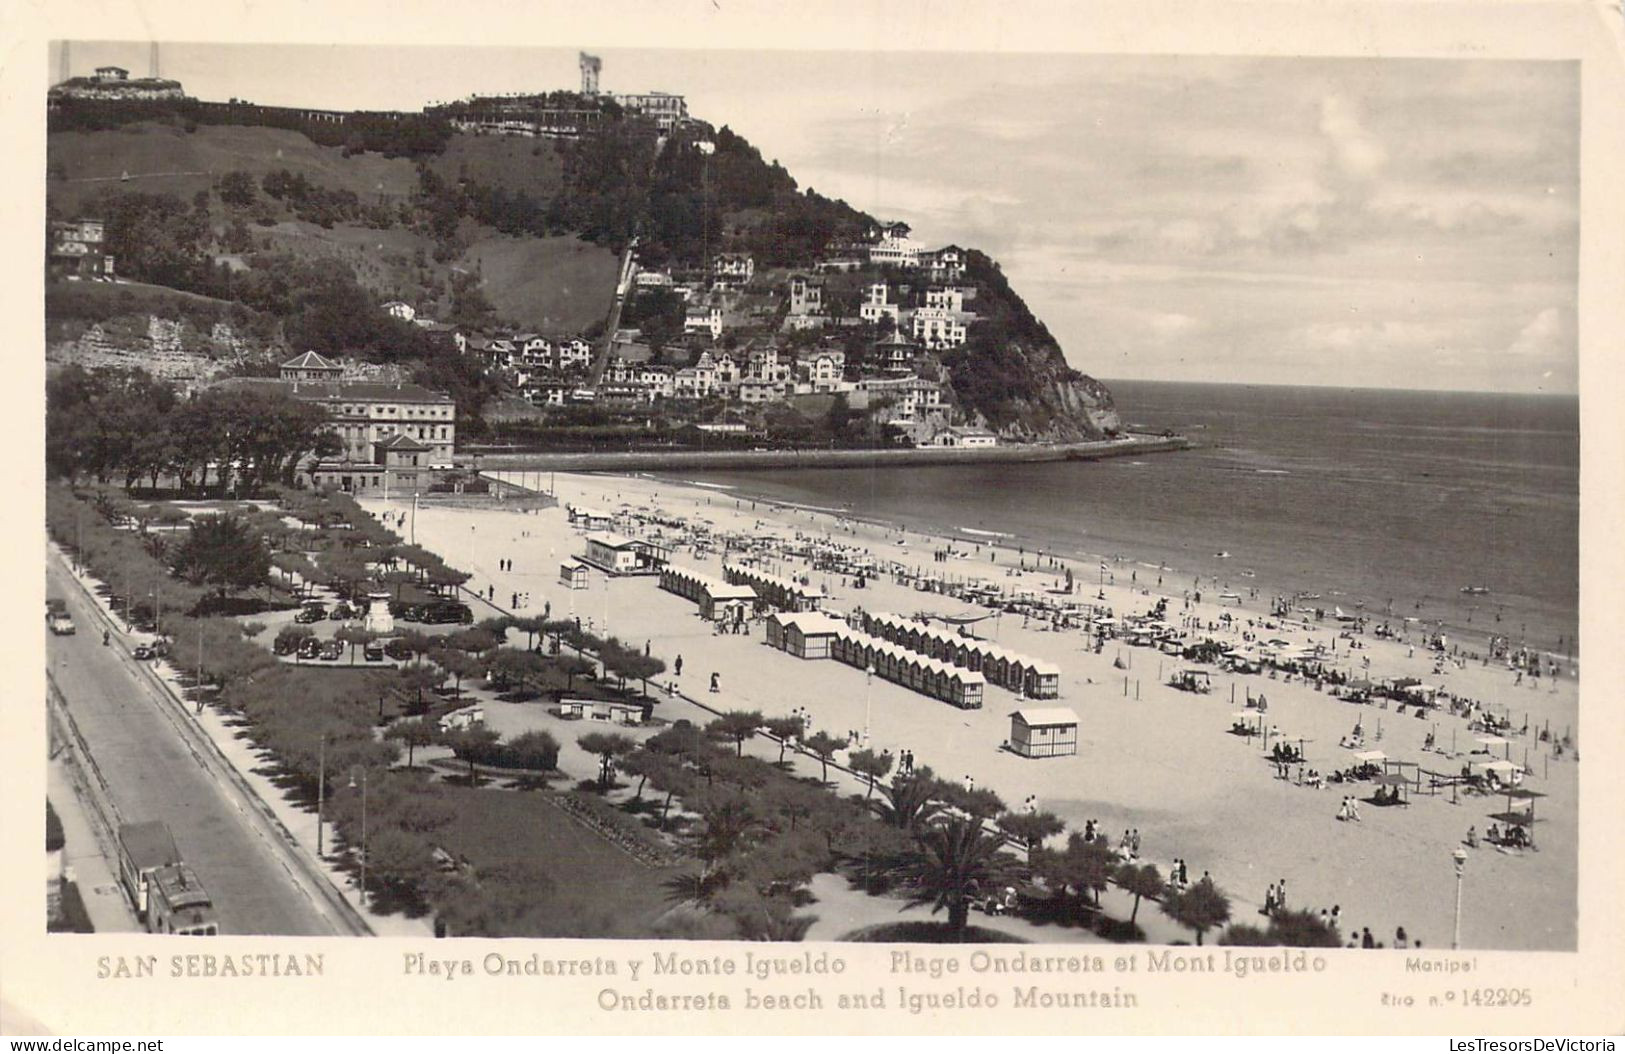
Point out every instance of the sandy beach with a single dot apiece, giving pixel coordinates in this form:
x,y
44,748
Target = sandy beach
x,y
1150,756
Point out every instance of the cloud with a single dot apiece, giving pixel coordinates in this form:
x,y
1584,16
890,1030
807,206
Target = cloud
x,y
1544,337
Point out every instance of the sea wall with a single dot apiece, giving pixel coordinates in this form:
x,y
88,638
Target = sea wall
x,y
667,460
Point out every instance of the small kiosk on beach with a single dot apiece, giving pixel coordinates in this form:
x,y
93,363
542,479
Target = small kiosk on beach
x,y
1044,732
574,575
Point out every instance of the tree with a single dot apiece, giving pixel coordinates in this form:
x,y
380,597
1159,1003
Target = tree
x,y
458,664
870,765
354,637
414,678
471,744
413,732
1031,828
237,189
645,764
1303,929
1084,865
293,635
1142,880
1241,934
1198,908
223,552
607,746
824,746
951,864
737,725
784,729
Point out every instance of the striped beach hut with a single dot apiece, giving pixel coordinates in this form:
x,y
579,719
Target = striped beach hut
x,y
1044,732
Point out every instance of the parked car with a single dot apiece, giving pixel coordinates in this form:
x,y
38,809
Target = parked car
x,y
307,615
309,648
341,611
333,649
142,651
160,647
282,646
396,649
447,611
405,612
373,652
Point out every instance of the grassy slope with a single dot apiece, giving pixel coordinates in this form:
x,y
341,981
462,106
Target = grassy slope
x,y
152,153
502,825
553,285
382,260
514,164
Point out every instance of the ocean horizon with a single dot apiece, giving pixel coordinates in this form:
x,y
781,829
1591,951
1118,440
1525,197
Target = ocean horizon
x,y
1385,501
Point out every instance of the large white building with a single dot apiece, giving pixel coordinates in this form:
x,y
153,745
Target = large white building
x,y
937,329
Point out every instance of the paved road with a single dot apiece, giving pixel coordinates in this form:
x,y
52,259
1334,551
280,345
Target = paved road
x,y
154,776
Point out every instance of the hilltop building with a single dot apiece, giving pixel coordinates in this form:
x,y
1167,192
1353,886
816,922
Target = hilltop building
x,y
77,249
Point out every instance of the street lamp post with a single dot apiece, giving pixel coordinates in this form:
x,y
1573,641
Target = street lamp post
x,y
868,681
363,832
321,789
1459,855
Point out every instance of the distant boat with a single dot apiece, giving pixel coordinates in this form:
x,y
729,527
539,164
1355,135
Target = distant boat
x,y
1249,573
1222,555
1476,591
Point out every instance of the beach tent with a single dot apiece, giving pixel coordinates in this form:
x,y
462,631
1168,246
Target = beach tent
x,y
1489,743
1371,757
1394,779
1522,817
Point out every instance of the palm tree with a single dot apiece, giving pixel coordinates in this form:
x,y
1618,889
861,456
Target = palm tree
x,y
910,800
1199,908
952,863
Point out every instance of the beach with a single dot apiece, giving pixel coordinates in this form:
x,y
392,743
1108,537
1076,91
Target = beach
x,y
1150,757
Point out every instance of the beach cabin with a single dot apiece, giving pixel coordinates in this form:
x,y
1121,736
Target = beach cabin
x,y
1044,732
574,575
589,519
718,601
774,590
804,634
619,555
600,710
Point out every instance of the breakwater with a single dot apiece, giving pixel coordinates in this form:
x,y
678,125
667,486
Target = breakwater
x,y
668,460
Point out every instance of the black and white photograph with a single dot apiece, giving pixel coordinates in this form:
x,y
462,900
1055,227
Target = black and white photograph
x,y
1121,504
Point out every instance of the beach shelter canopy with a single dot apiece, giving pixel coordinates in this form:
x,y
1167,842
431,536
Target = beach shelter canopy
x,y
1391,779
1491,741
1523,792
1372,756
1245,715
1500,766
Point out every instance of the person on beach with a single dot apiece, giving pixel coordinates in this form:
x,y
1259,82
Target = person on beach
x,y
716,682
677,666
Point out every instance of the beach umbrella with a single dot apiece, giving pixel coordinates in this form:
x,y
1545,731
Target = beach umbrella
x,y
1522,818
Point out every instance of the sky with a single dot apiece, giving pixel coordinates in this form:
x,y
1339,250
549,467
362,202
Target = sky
x,y
1405,223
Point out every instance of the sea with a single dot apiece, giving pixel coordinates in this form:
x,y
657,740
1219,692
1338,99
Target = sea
x,y
1379,502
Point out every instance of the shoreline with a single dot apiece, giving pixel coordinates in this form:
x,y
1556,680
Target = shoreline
x,y
667,460
1084,559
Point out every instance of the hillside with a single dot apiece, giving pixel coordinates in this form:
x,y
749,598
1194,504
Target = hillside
x,y
503,232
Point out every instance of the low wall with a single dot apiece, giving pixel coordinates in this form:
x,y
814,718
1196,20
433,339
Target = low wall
x,y
666,460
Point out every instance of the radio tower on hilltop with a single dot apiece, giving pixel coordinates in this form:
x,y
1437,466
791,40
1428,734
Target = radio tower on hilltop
x,y
590,65
152,63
